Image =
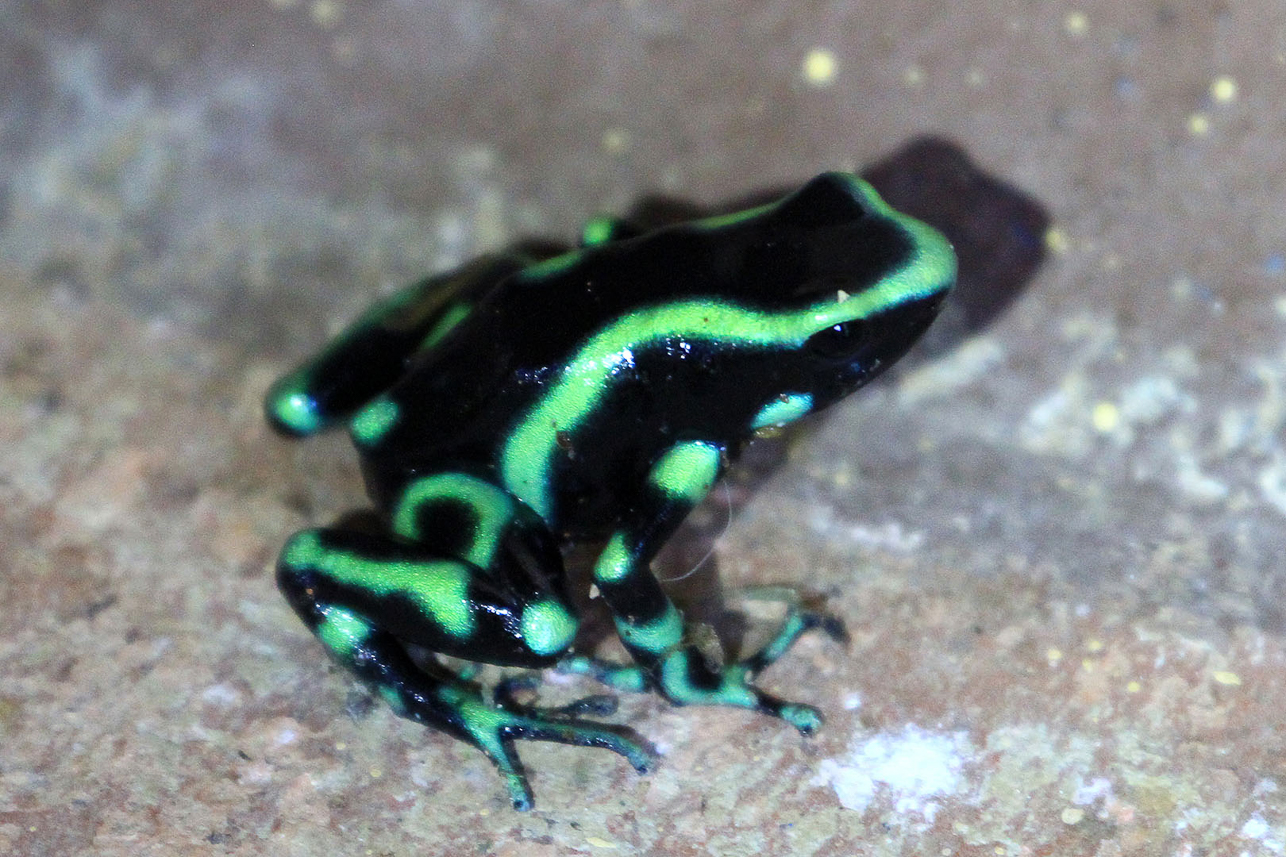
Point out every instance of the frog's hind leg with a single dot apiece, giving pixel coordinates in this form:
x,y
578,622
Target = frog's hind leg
x,y
363,595
368,356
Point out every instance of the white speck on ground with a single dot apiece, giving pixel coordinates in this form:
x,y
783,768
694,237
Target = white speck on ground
x,y
912,767
1268,836
1099,787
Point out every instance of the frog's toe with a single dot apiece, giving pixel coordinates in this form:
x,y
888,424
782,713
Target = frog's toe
x,y
805,718
796,624
494,727
594,705
832,627
550,726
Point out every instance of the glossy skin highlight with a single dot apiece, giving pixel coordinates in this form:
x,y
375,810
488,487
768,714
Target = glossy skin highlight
x,y
518,406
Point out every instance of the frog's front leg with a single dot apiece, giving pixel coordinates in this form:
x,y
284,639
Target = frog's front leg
x,y
367,596
650,625
368,356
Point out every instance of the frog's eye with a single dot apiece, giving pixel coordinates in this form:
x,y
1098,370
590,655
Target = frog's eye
x,y
839,340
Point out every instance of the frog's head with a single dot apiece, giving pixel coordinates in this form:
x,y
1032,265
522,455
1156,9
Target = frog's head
x,y
856,283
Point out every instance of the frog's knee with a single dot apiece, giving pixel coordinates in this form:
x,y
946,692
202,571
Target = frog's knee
x,y
548,627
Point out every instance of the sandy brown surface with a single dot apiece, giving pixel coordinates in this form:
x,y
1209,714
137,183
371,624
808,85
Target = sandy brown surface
x,y
1057,539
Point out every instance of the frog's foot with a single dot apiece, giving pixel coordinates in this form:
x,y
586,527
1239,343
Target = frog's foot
x,y
493,728
458,708
685,677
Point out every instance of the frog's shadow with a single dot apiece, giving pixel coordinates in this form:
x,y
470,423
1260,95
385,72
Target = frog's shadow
x,y
998,232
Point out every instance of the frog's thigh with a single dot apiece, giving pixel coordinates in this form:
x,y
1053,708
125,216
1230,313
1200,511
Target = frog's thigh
x,y
448,606
646,619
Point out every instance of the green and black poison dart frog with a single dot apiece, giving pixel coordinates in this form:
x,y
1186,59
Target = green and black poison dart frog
x,y
518,406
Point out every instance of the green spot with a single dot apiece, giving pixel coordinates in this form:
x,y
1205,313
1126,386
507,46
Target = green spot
x,y
615,562
293,408
451,316
782,410
392,698
598,231
550,267
731,691
303,549
660,634
493,509
547,627
373,421
342,631
687,470
483,722
805,718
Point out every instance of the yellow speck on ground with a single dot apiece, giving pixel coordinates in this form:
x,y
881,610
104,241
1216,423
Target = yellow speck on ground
x,y
1053,655
1225,677
615,140
1072,815
1223,89
1056,240
820,67
1105,416
1133,687
326,13
1198,124
600,843
1076,23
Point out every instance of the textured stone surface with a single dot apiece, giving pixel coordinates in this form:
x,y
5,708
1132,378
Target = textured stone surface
x,y
1057,540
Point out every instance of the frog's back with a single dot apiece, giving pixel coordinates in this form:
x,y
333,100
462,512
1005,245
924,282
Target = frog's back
x,y
573,375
